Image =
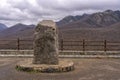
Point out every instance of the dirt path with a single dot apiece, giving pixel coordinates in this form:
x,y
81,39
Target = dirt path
x,y
86,69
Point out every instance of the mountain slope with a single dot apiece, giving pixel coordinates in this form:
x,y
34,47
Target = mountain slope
x,y
68,19
100,19
2,26
16,31
110,34
104,19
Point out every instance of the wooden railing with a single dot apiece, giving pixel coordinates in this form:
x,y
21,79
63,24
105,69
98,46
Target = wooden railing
x,y
75,45
86,45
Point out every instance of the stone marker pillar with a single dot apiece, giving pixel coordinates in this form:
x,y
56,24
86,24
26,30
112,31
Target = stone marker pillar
x,y
46,43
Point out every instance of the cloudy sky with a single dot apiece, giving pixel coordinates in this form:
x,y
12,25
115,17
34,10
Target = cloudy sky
x,y
33,11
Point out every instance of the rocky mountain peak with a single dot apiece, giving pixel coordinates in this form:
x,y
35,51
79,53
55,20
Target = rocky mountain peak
x,y
108,11
99,19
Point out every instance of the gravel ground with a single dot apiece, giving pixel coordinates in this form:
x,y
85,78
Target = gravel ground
x,y
85,69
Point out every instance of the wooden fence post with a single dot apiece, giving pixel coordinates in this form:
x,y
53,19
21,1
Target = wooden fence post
x,y
83,45
105,45
61,44
18,44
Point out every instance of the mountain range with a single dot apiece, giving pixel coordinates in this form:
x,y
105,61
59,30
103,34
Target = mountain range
x,y
18,30
99,19
96,26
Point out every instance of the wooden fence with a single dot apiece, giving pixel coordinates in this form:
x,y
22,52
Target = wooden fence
x,y
74,45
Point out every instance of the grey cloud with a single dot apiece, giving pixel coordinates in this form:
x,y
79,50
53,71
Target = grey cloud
x,y
31,11
78,4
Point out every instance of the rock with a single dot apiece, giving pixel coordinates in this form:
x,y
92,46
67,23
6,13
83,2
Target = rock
x,y
28,66
46,43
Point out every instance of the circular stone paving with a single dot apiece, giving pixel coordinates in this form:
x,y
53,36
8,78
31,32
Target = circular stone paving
x,y
63,66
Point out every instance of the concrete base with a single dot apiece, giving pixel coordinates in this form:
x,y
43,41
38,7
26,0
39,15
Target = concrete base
x,y
63,66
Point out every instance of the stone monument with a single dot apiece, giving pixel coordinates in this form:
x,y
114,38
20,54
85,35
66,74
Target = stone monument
x,y
46,43
45,57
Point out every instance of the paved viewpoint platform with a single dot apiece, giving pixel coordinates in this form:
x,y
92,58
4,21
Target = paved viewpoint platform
x,y
86,69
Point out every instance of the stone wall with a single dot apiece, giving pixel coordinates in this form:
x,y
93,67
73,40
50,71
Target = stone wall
x,y
16,52
62,54
30,52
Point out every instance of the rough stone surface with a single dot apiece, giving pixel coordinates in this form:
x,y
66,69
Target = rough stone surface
x,y
63,66
46,43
